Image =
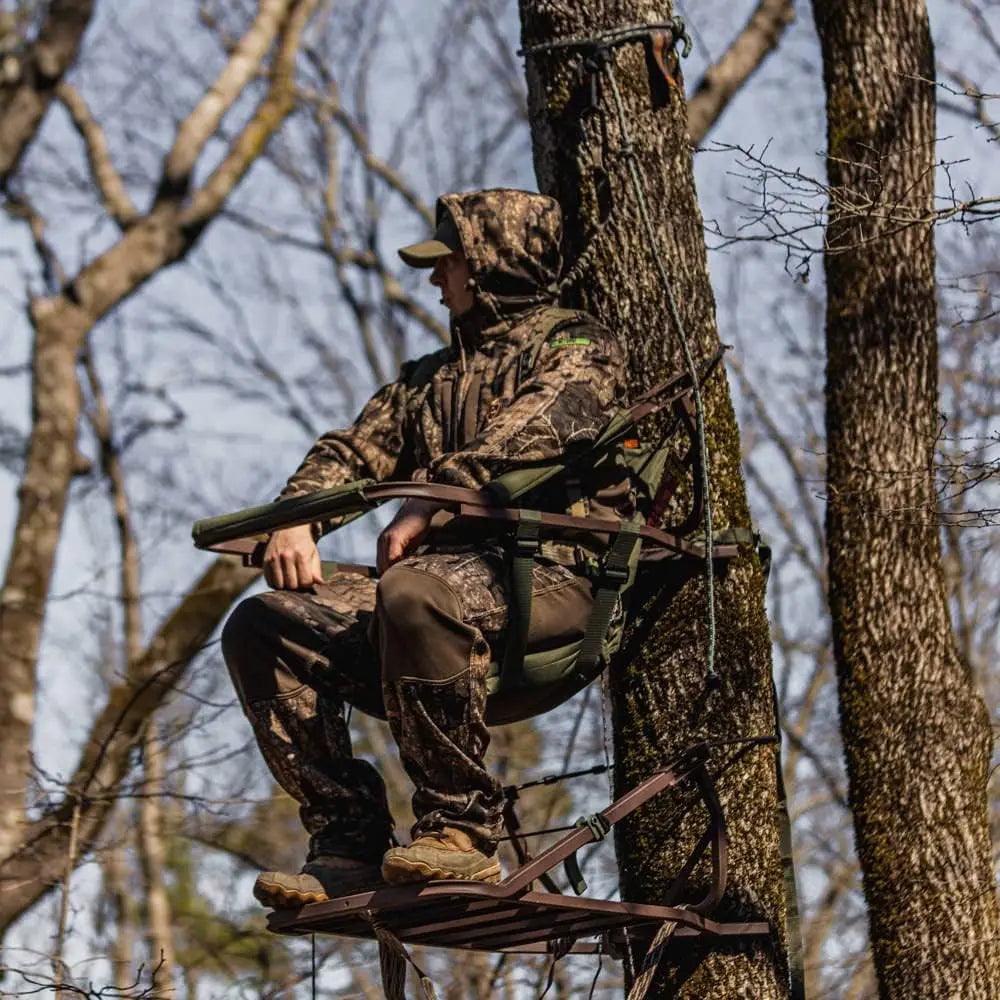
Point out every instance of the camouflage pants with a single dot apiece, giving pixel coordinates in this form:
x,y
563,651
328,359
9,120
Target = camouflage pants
x,y
415,649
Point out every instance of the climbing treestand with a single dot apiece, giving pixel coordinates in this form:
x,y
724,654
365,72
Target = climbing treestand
x,y
514,916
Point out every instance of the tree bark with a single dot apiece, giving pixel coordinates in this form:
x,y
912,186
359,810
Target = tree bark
x,y
661,701
916,735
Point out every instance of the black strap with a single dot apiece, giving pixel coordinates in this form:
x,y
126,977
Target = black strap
x,y
611,579
526,543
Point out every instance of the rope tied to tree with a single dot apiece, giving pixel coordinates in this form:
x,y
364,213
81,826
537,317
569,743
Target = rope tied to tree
x,y
601,63
651,961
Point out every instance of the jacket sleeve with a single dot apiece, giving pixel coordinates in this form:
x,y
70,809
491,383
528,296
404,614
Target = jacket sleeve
x,y
577,382
371,448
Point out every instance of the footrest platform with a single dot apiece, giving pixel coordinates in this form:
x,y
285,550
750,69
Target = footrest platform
x,y
480,917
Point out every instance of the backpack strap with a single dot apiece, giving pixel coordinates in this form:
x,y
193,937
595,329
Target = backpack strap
x,y
550,323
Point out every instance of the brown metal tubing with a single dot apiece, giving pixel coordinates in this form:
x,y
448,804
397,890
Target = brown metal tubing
x,y
474,503
562,849
520,847
720,842
679,881
405,916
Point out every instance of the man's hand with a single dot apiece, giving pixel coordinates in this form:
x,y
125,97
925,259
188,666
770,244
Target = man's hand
x,y
405,532
291,560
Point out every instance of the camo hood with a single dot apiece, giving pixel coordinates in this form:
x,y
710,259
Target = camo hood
x,y
511,241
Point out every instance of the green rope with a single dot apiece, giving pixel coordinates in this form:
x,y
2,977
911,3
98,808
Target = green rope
x,y
628,152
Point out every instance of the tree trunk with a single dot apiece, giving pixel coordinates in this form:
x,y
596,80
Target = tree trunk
x,y
661,701
916,735
120,894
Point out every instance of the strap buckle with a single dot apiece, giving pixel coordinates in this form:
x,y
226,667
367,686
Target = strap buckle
x,y
526,546
613,573
599,827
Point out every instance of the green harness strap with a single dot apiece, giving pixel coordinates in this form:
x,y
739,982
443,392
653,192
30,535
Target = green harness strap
x,y
615,574
526,542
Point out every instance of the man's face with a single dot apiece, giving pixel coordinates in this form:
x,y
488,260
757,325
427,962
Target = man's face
x,y
452,274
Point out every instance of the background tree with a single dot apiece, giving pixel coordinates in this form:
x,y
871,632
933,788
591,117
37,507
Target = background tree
x,y
916,733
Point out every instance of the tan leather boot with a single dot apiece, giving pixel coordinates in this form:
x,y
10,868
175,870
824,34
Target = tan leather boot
x,y
322,878
445,854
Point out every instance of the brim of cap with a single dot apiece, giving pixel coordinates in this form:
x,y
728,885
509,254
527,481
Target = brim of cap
x,y
425,254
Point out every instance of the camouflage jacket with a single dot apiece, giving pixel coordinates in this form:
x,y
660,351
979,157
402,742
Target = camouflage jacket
x,y
479,408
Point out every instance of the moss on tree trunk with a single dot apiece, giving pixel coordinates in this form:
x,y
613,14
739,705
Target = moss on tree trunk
x,y
916,735
661,703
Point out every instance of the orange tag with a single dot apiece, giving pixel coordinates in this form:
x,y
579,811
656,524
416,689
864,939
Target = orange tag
x,y
631,442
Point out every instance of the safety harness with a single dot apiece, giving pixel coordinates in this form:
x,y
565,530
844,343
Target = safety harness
x,y
523,530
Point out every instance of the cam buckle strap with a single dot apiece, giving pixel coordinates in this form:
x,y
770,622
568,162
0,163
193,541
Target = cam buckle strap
x,y
599,827
524,549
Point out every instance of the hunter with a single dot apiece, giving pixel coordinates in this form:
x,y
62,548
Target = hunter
x,y
514,388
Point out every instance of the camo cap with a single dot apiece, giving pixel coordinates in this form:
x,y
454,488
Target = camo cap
x,y
444,241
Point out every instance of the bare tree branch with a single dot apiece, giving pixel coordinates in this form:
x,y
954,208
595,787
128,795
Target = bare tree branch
x,y
978,107
721,82
61,323
24,101
35,866
271,112
242,67
111,466
116,198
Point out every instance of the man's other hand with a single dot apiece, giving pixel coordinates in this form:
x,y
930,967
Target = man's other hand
x,y
405,532
291,560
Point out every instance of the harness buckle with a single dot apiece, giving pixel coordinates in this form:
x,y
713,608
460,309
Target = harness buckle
x,y
613,574
526,546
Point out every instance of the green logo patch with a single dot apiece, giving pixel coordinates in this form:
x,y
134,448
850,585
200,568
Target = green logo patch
x,y
570,342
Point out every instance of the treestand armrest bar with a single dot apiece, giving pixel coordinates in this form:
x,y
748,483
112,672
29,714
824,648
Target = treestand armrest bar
x,y
240,532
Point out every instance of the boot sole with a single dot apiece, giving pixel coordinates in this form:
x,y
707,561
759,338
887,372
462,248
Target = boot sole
x,y
278,897
401,871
